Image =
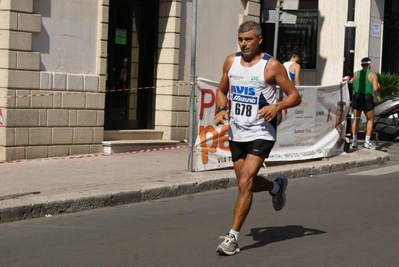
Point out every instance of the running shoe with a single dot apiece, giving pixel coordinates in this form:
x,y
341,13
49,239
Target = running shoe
x,y
279,198
368,146
354,145
229,246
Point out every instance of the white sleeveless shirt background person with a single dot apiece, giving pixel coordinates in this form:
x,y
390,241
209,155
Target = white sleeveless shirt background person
x,y
291,75
249,92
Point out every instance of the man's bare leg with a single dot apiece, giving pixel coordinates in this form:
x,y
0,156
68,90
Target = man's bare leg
x,y
355,126
370,122
248,182
369,129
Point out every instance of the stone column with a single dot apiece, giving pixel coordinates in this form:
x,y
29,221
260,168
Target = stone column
x,y
172,101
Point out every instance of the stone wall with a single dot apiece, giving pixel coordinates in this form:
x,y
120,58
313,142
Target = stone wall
x,y
47,113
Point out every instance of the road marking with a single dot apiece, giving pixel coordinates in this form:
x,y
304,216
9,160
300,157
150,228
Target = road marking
x,y
379,171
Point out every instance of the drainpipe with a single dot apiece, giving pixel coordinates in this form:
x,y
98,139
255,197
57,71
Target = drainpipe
x,y
276,28
192,82
349,57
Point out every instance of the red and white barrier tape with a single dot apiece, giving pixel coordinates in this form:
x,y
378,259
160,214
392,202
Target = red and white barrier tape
x,y
94,155
187,142
97,92
48,94
150,87
102,154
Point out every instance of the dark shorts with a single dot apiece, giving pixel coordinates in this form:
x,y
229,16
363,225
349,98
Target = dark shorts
x,y
363,102
258,147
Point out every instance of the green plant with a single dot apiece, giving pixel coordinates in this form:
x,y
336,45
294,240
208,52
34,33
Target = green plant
x,y
389,84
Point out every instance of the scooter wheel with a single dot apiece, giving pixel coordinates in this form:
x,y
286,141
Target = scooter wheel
x,y
387,137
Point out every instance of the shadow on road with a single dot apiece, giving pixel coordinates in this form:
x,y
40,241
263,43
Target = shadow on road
x,y
384,146
12,196
267,235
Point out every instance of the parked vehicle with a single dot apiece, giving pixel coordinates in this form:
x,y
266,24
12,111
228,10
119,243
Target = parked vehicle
x,y
386,119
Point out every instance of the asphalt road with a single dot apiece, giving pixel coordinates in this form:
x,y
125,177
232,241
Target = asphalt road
x,y
339,219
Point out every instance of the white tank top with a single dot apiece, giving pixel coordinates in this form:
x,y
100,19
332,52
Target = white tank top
x,y
249,92
291,75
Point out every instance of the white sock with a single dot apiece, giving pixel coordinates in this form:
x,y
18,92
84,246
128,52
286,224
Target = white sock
x,y
276,188
235,233
355,139
367,139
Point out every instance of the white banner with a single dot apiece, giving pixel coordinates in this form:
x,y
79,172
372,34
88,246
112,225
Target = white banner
x,y
314,129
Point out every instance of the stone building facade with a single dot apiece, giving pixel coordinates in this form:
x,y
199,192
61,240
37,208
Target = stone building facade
x,y
54,58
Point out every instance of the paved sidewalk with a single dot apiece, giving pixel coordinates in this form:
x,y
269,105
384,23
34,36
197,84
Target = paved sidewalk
x,y
38,188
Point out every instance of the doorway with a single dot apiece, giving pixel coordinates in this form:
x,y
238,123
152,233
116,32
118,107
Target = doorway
x,y
390,49
131,64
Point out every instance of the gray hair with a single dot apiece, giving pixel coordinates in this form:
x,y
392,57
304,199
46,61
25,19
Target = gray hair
x,y
250,25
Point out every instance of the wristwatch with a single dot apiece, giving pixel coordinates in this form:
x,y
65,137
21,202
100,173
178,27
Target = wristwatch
x,y
220,108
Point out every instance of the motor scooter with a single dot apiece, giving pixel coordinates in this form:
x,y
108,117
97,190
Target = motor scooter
x,y
386,121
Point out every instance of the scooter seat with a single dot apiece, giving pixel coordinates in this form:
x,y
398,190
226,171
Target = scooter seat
x,y
387,98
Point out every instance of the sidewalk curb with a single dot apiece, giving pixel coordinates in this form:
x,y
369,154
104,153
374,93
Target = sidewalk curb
x,y
195,185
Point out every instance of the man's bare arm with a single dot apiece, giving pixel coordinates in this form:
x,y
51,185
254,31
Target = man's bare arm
x,y
374,80
275,73
281,79
221,92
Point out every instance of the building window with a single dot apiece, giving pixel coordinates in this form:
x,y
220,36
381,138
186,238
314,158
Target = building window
x,y
301,36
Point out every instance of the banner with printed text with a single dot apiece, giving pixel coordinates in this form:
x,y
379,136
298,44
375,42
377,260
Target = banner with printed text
x,y
314,129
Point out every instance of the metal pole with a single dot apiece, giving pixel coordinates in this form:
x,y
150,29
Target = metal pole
x,y
192,81
350,33
349,57
276,28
